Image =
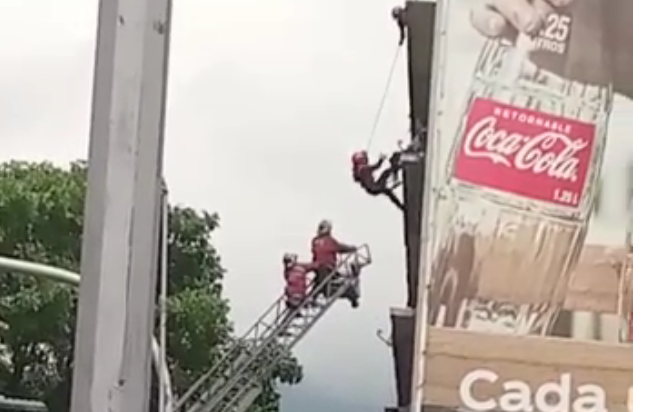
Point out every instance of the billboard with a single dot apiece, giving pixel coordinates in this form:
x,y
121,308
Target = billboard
x,y
532,157
528,205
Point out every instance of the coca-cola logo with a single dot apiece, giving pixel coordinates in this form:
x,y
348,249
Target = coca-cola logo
x,y
549,152
525,152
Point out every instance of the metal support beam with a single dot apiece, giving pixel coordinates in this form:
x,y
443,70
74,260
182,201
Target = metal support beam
x,y
58,275
120,240
428,223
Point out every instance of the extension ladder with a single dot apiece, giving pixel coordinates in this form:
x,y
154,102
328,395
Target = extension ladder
x,y
234,382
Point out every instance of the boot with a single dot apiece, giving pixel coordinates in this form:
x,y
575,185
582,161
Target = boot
x,y
352,296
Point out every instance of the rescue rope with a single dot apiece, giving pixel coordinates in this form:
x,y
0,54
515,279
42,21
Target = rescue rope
x,y
384,98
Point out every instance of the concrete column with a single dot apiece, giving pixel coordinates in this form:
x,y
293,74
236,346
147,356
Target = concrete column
x,y
120,240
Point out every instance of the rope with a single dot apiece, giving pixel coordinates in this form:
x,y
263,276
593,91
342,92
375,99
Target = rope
x,y
384,98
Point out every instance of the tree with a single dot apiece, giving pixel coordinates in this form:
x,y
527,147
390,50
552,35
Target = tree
x,y
41,215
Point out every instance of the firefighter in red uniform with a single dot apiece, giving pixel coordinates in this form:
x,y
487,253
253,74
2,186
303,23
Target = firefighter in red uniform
x,y
295,274
362,173
325,250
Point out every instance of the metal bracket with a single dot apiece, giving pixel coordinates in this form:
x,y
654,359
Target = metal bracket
x,y
381,335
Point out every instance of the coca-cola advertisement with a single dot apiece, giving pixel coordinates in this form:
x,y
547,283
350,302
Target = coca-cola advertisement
x,y
532,152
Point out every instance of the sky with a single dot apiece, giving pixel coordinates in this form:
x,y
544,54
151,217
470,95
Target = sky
x,y
267,100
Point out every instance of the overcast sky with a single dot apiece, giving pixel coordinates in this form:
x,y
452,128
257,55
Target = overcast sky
x,y
267,101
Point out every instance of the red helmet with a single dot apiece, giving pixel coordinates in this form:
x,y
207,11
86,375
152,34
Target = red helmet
x,y
360,158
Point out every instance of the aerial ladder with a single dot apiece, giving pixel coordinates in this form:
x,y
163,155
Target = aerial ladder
x,y
234,382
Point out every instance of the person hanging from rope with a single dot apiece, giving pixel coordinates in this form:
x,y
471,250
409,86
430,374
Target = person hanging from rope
x,y
362,173
325,250
399,14
295,292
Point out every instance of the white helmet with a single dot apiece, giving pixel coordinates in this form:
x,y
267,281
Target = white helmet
x,y
324,227
289,258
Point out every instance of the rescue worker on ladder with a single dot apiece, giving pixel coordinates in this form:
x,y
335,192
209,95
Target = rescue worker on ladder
x,y
326,250
362,173
295,275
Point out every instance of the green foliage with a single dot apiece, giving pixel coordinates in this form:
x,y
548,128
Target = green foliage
x,y
288,371
41,215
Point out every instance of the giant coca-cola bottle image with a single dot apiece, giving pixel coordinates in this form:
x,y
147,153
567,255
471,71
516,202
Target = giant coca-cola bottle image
x,y
521,177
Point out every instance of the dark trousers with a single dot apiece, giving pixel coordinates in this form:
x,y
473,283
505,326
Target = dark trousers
x,y
380,185
382,189
322,273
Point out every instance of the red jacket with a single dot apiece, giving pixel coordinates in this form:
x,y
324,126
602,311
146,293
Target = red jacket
x,y
363,174
325,250
296,279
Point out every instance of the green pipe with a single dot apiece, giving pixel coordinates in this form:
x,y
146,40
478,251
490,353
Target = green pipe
x,y
73,279
43,271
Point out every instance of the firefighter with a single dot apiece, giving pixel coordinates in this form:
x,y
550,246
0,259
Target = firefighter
x,y
326,250
400,17
295,275
362,173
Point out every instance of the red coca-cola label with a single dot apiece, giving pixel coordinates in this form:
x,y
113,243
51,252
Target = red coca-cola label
x,y
525,152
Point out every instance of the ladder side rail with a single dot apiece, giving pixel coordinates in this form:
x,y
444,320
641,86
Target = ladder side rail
x,y
197,392
192,390
267,368
259,346
234,402
247,349
236,395
243,349
235,349
207,396
246,358
249,393
249,399
246,355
